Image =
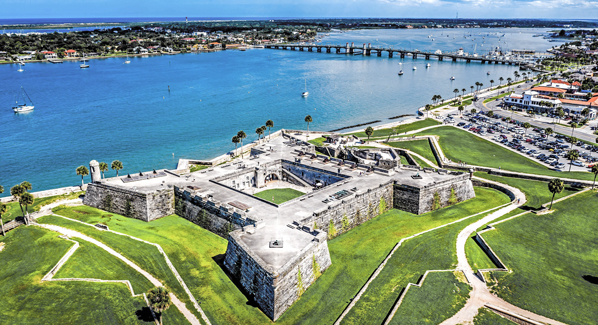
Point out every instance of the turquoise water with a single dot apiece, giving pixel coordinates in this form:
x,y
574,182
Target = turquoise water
x,y
118,111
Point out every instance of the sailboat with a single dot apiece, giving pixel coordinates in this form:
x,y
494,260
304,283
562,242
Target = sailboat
x,y
23,107
401,73
428,65
127,62
414,68
84,66
305,93
21,67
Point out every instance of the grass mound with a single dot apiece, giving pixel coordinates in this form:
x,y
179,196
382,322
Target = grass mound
x,y
279,195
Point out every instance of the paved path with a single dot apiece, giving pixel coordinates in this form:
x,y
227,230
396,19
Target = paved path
x,y
71,233
480,295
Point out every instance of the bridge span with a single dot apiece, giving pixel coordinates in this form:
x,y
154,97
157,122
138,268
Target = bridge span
x,y
369,50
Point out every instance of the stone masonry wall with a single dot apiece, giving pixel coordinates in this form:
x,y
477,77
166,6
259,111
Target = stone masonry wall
x,y
357,209
273,291
128,203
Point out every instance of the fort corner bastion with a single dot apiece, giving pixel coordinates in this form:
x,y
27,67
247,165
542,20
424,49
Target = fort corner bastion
x,y
277,251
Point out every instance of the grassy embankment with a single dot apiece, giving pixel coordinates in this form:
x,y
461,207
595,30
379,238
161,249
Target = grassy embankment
x,y
383,133
30,253
459,145
552,256
279,195
407,265
421,147
196,168
14,210
487,317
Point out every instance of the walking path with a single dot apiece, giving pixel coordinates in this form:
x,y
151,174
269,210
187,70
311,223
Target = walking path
x,y
480,295
71,233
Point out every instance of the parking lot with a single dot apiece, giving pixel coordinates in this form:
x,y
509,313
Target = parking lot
x,y
535,144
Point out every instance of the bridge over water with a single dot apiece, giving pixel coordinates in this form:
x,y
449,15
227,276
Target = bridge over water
x,y
369,50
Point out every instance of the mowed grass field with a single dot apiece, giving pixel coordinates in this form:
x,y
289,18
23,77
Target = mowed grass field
x,y
30,253
549,256
356,254
279,195
459,145
400,128
15,211
421,147
487,317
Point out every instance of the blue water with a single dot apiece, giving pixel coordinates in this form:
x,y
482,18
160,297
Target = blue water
x,y
118,111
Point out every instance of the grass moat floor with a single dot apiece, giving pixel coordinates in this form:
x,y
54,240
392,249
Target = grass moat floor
x,y
279,195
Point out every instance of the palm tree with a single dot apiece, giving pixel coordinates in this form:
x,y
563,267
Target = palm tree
x,y
548,131
471,89
473,111
526,126
555,186
481,85
4,209
83,171
26,199
259,131
103,168
594,171
572,155
427,109
490,113
500,81
241,134
393,131
456,91
116,165
17,191
434,99
461,108
159,300
573,126
236,141
477,86
509,83
463,91
269,124
491,82
585,111
369,131
308,120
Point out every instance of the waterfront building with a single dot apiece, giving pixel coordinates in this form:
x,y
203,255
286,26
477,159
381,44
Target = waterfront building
x,y
70,53
533,100
49,55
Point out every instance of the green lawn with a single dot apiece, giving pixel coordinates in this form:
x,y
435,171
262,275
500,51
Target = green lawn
x,y
29,254
496,97
467,102
279,195
487,317
549,256
356,254
15,211
441,295
421,147
476,257
459,145
408,263
195,168
317,141
195,252
400,129
420,162
90,261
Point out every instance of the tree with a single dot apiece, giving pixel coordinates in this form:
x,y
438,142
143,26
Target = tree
x,y
491,82
471,89
481,85
1,189
555,186
116,165
428,108
573,126
453,199
509,83
269,125
572,155
526,126
159,300
463,91
241,134
436,201
490,113
548,131
393,131
331,230
83,171
477,85
26,199
473,111
500,81
4,209
595,172
17,191
259,132
345,223
300,288
103,168
369,131
236,141
308,120
461,108
456,91
315,266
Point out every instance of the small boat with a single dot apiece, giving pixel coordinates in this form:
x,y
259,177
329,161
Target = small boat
x,y
452,78
84,66
488,73
401,73
21,67
305,93
428,65
127,62
23,107
414,68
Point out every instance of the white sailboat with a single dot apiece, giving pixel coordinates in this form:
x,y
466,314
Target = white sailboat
x,y
23,107
452,78
305,93
428,65
401,73
414,68
127,62
84,66
21,67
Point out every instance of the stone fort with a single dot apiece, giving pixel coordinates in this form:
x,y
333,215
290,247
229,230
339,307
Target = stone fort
x,y
273,248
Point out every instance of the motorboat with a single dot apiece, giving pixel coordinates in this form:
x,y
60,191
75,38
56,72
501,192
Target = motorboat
x,y
428,65
414,68
20,108
305,93
452,78
488,73
401,73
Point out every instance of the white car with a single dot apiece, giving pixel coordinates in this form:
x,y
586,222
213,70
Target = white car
x,y
519,131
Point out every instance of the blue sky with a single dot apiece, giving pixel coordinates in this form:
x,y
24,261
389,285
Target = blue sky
x,y
568,9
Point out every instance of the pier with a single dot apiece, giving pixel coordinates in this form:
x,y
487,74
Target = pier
x,y
402,53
